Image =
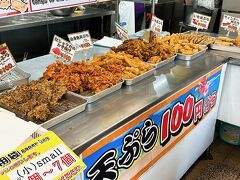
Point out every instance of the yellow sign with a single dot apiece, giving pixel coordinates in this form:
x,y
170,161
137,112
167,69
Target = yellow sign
x,y
46,157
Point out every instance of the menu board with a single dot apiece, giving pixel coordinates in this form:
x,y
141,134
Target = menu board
x,y
200,21
16,7
230,23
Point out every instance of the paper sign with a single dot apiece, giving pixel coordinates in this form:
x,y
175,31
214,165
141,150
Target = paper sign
x,y
42,5
122,33
13,7
200,21
156,25
44,158
230,23
7,62
62,49
81,40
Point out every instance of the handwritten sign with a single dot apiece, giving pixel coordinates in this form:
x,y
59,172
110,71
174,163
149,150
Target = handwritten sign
x,y
200,21
46,157
156,25
230,23
62,49
7,62
122,33
81,40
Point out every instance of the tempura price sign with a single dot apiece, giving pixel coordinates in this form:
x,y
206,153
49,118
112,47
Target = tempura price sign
x,y
81,40
156,25
230,23
44,158
200,21
122,33
7,62
62,49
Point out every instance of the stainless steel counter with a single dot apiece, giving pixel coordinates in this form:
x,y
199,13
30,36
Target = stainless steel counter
x,y
111,112
44,18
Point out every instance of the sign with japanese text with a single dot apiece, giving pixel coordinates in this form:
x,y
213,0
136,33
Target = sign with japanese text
x,y
62,49
135,147
13,7
43,158
156,25
122,33
200,21
230,23
7,62
37,5
81,40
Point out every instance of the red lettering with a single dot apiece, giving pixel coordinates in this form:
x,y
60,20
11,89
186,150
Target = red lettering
x,y
198,111
165,127
214,99
188,109
177,115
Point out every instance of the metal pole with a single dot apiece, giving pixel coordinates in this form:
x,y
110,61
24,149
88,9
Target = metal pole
x,y
153,7
117,10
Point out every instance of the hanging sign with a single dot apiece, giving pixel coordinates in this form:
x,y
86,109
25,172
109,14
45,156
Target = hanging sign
x,y
200,21
81,40
230,23
62,49
122,33
43,158
7,62
37,5
13,7
156,25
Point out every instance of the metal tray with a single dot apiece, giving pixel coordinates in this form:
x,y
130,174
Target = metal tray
x,y
69,106
191,57
130,82
233,49
91,97
18,77
164,62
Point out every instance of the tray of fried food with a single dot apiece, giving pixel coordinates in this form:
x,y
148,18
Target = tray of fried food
x,y
133,69
193,38
46,103
89,81
226,44
187,51
153,53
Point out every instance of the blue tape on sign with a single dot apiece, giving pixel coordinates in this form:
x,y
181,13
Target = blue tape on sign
x,y
122,24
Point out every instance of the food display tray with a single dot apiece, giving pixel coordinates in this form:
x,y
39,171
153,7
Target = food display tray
x,y
69,106
91,97
164,62
130,82
191,57
18,77
233,49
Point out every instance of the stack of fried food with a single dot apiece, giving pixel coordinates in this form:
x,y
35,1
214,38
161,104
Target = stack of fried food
x,y
83,76
179,46
149,52
192,38
131,66
35,100
225,41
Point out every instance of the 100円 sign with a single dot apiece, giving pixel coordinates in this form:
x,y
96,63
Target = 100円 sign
x,y
7,62
46,157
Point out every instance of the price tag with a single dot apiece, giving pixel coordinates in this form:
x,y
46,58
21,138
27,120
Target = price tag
x,y
44,158
230,23
156,25
81,40
62,49
7,62
200,21
122,33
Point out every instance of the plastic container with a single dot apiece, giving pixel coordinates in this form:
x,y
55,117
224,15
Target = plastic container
x,y
230,133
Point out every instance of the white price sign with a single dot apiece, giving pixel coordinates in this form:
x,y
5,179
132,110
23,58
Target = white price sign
x,y
122,33
81,40
156,25
62,49
230,23
7,62
200,21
